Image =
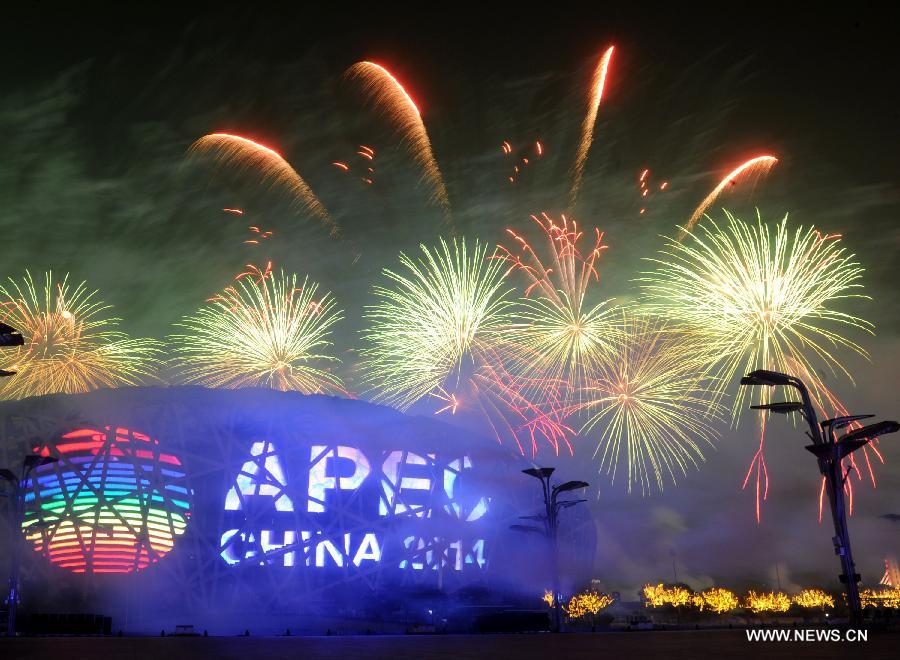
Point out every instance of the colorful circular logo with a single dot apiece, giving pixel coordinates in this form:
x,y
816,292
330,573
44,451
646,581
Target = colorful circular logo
x,y
113,503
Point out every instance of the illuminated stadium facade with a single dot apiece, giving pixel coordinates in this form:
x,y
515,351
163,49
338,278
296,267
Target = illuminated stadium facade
x,y
254,506
113,503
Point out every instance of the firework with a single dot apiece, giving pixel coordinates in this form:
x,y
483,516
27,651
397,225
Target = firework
x,y
69,345
439,331
239,152
444,308
761,295
758,166
763,298
261,332
531,411
650,404
522,159
566,338
388,96
587,127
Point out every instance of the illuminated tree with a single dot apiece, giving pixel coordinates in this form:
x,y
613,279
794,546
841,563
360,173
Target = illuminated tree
x,y
773,601
811,598
660,595
716,599
587,604
885,598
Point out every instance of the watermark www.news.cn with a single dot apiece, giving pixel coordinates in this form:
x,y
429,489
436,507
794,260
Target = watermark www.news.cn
x,y
807,635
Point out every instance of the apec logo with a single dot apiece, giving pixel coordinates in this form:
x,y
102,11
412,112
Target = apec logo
x,y
342,508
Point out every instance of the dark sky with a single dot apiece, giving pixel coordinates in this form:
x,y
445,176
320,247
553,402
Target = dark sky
x,y
99,104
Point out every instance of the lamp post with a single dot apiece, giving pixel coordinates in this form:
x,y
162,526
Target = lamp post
x,y
829,451
19,485
550,529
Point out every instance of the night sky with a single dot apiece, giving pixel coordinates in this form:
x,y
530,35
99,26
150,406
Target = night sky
x,y
99,105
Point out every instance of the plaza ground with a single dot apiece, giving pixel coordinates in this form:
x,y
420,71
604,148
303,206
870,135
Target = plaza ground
x,y
710,645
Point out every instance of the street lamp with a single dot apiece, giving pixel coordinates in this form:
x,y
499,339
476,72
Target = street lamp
x,y
550,528
9,337
829,450
18,484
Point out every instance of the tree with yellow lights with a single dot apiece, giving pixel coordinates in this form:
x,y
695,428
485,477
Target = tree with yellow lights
x,y
660,595
716,599
814,598
773,601
587,604
886,598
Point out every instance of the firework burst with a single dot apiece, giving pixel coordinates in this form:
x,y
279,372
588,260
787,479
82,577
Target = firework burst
x,y
759,295
762,297
530,411
650,405
439,332
244,154
565,337
389,97
261,332
69,345
444,308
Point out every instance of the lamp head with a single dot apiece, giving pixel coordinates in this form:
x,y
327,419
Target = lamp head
x,y
9,336
766,377
539,473
871,431
570,485
780,407
565,504
841,422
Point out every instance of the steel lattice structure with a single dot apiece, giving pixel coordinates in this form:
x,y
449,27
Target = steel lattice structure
x,y
257,503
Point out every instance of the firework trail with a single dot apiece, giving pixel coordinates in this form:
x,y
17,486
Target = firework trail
x,y
69,346
243,154
651,405
758,166
388,96
587,127
566,338
261,332
761,297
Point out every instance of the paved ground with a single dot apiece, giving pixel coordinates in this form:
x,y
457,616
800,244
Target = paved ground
x,y
707,645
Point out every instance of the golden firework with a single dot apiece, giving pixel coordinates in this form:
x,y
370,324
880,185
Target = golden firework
x,y
261,332
69,345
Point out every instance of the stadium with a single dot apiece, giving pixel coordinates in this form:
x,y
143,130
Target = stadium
x,y
263,510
